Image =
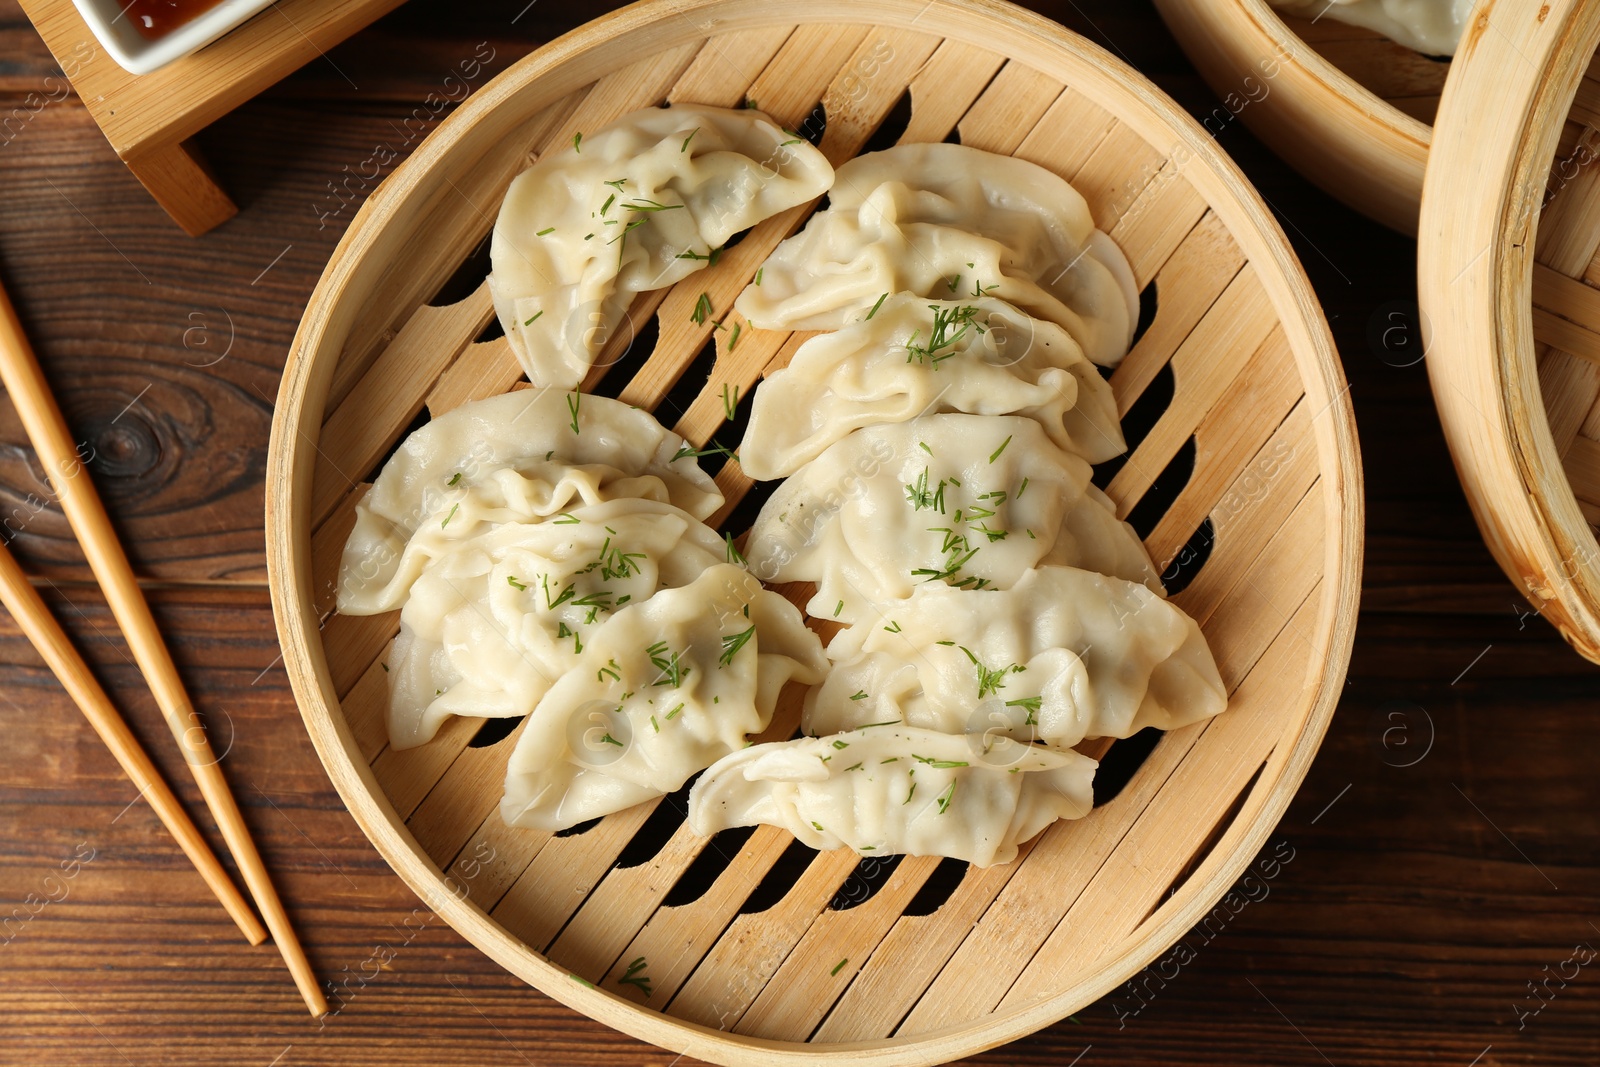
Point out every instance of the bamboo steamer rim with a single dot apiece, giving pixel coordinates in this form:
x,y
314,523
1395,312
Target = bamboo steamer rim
x,y
1329,74
1024,37
1325,119
1500,121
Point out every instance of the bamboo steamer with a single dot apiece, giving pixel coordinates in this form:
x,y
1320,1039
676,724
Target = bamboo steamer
x,y
1508,282
1346,107
759,953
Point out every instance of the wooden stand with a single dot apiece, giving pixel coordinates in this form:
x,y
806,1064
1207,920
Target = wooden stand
x,y
149,118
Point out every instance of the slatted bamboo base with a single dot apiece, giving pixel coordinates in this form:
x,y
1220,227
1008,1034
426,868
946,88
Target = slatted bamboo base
x,y
1519,392
1244,473
1346,107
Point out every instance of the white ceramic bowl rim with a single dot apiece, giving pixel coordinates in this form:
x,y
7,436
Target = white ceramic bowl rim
x,y
138,54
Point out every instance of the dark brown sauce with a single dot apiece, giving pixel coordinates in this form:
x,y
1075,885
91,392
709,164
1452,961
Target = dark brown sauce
x,y
155,19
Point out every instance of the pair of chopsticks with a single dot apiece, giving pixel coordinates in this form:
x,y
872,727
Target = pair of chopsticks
x,y
42,419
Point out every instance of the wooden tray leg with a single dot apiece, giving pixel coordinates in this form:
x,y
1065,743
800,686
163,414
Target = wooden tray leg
x,y
181,182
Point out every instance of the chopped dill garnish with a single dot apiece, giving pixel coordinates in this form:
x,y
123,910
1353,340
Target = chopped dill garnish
x,y
535,318
574,400
713,449
996,453
733,342
453,509
759,273
672,672
922,497
734,555
946,797
860,694
689,138
1023,488
610,668
892,628
730,401
702,310
837,608
546,232
841,744
673,714
732,643
990,681
565,595
1031,705
634,978
837,967
950,327
513,583
577,142
650,205
455,479
710,258
940,764
565,519
876,307
618,184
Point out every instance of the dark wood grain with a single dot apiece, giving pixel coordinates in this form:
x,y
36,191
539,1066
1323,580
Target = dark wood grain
x,y
1446,845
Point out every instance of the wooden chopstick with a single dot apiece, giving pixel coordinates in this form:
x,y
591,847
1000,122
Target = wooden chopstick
x,y
46,635
24,380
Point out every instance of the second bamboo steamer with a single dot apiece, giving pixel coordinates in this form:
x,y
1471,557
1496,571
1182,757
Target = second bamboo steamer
x,y
1348,108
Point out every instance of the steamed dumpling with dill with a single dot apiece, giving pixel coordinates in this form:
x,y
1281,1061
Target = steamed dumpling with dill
x,y
972,501
636,206
495,619
1064,655
1432,27
520,457
910,357
949,222
663,689
895,790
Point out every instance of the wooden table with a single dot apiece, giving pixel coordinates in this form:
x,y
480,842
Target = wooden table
x,y
1446,846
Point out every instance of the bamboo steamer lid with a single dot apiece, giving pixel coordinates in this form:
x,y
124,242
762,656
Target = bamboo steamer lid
x,y
1509,287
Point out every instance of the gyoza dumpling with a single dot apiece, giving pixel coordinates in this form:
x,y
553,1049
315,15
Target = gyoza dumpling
x,y
511,458
636,206
664,689
1432,27
948,222
1063,655
890,790
982,357
974,501
496,619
